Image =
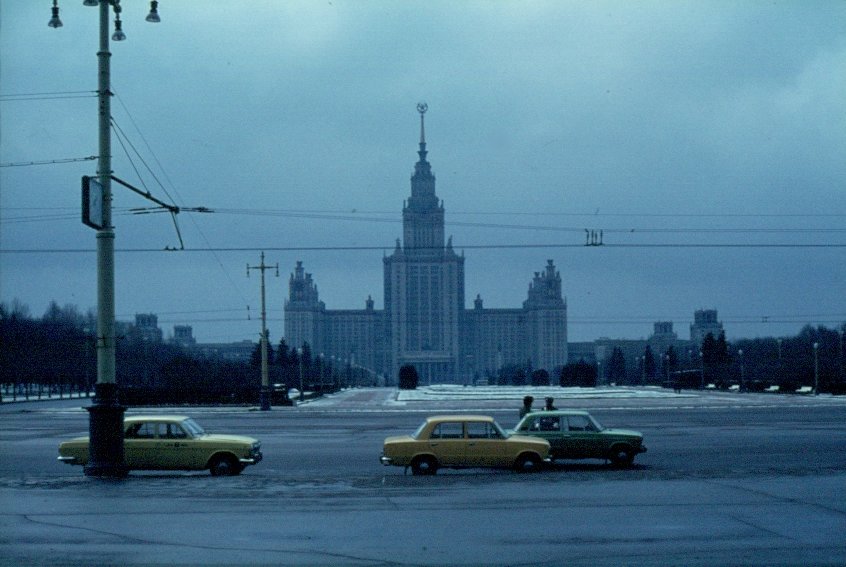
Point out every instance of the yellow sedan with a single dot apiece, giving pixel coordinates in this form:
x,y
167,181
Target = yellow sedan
x,y
462,441
168,442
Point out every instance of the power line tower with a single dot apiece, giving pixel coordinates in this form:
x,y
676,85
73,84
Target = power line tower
x,y
264,395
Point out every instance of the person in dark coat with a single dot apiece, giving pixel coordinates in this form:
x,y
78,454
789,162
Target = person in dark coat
x,y
549,405
527,406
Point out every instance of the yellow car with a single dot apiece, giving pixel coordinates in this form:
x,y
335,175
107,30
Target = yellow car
x,y
170,442
463,441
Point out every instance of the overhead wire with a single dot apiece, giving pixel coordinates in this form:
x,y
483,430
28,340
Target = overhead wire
x,y
220,264
353,248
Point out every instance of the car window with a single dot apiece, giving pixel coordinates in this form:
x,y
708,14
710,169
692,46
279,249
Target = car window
x,y
531,425
482,430
174,431
142,430
193,428
549,424
449,430
579,423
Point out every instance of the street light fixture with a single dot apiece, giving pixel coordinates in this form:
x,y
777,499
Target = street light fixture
x,y
106,454
55,22
153,16
118,35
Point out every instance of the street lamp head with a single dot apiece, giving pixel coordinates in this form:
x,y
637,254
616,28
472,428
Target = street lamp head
x,y
91,3
55,22
153,16
118,35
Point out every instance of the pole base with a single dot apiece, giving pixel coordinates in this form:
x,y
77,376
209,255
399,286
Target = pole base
x,y
105,428
264,398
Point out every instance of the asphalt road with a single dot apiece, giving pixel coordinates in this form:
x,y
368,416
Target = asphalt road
x,y
728,479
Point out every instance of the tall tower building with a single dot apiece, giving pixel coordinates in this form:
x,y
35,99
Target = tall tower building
x,y
424,283
304,312
546,319
424,321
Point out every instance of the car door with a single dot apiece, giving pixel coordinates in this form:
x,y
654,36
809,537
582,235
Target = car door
x,y
486,446
448,444
139,444
177,449
583,440
553,428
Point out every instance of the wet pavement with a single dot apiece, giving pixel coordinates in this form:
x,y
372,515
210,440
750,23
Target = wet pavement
x,y
728,479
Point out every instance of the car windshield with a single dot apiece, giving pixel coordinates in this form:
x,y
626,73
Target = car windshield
x,y
193,428
596,424
416,434
499,430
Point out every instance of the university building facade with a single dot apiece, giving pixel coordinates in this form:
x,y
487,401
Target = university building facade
x,y
424,321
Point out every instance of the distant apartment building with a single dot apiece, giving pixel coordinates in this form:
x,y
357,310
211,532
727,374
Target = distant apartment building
x,y
183,335
424,321
240,351
147,327
663,339
704,322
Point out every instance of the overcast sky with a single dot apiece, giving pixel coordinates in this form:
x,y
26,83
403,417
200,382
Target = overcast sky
x,y
670,126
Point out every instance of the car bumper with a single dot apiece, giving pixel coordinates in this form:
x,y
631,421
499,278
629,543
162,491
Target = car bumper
x,y
67,460
387,461
255,458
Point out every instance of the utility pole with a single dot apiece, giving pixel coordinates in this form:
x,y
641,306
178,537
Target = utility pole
x,y
105,422
264,395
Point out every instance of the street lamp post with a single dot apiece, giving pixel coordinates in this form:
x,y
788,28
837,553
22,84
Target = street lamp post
x,y
320,377
105,423
701,370
264,393
742,370
816,368
300,359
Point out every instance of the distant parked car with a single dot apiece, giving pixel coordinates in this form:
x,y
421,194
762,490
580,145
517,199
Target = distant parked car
x,y
575,434
463,441
167,442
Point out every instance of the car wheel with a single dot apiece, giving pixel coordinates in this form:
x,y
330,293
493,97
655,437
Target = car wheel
x,y
621,456
424,466
527,462
224,466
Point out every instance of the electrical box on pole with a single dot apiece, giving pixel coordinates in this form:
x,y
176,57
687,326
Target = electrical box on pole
x,y
92,203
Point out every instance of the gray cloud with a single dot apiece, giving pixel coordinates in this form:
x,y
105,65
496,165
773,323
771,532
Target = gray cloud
x,y
603,115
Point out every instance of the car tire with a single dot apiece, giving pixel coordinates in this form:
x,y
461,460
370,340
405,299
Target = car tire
x,y
224,465
424,466
621,456
527,462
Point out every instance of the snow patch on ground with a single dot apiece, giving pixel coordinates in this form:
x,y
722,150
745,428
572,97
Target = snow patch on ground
x,y
456,392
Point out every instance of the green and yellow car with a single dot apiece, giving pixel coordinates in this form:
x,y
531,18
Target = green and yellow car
x,y
463,441
170,442
575,434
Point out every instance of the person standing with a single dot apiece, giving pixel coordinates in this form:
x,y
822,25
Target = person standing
x,y
549,405
527,406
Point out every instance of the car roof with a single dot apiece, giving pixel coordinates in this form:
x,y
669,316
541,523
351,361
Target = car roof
x,y
463,417
156,418
557,412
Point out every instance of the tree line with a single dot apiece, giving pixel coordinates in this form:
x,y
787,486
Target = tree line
x,y
57,353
